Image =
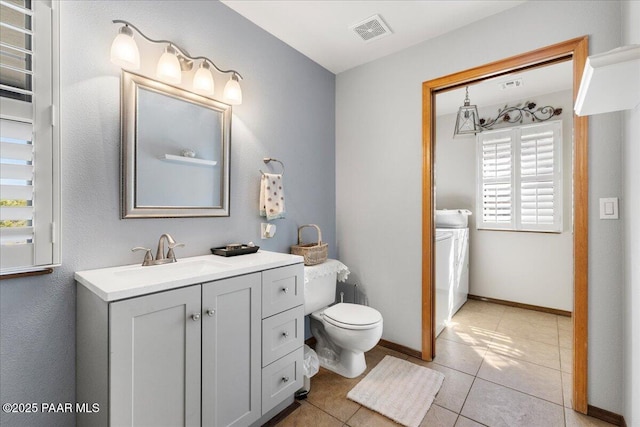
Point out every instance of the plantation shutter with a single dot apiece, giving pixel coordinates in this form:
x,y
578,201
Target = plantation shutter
x,y
496,170
540,189
26,135
520,178
16,212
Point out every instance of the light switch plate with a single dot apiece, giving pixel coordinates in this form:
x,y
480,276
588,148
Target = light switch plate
x,y
609,208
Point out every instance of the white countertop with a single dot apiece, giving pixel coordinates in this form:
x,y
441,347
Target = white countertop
x,y
115,283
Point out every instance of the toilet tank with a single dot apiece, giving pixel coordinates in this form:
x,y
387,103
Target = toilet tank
x,y
320,285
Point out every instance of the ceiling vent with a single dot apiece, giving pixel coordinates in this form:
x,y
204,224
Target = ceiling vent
x,y
372,28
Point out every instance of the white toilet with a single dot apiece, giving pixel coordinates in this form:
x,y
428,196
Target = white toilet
x,y
344,332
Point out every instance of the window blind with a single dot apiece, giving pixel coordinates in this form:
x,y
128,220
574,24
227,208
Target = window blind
x,y
16,208
497,169
16,55
520,178
537,202
29,184
496,203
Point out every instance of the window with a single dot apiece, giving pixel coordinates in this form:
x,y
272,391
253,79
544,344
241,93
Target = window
x,y
29,136
520,178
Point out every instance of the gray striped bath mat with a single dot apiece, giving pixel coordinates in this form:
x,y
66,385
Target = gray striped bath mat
x,y
400,390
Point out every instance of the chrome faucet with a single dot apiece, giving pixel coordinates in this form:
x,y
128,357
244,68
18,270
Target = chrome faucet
x,y
160,257
171,257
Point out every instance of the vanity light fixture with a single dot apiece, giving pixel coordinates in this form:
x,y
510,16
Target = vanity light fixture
x,y
467,120
174,61
124,50
168,68
203,80
232,91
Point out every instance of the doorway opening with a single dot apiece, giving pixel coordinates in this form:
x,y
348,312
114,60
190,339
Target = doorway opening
x,y
577,51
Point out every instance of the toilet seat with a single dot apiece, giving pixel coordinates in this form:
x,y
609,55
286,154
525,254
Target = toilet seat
x,y
352,316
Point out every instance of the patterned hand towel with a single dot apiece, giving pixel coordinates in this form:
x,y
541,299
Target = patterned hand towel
x,y
271,196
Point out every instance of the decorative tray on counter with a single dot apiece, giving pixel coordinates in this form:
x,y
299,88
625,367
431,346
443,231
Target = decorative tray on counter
x,y
233,251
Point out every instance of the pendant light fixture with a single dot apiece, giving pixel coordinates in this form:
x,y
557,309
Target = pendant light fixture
x,y
467,121
173,62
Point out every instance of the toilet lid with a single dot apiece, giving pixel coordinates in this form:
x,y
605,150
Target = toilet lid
x,y
352,315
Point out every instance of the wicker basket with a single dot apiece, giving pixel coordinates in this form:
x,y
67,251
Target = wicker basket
x,y
313,253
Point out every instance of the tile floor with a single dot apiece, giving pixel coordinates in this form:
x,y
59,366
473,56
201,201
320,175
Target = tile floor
x,y
503,366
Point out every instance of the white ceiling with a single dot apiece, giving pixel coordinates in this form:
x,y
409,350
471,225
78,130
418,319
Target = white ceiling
x,y
320,30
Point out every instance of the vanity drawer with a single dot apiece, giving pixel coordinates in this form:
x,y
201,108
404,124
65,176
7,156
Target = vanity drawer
x,y
282,289
281,379
281,334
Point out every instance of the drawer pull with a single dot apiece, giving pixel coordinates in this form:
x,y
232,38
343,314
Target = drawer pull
x,y
211,312
285,334
195,317
285,379
285,289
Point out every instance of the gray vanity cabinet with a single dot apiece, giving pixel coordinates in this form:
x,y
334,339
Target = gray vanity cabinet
x,y
205,354
231,351
155,355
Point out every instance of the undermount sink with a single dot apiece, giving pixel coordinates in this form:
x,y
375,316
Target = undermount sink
x,y
125,281
175,269
137,275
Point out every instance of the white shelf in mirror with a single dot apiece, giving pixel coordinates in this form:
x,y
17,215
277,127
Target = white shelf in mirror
x,y
191,160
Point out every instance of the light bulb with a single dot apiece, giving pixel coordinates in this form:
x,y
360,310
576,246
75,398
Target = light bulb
x,y
124,50
203,80
232,91
168,68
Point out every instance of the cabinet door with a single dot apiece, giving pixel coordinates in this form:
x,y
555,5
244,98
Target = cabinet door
x,y
155,359
231,350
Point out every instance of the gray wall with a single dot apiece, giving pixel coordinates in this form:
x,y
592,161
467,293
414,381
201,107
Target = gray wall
x,y
630,207
379,157
525,267
288,113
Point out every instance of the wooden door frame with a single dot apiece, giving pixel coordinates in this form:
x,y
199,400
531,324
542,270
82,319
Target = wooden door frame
x,y
578,50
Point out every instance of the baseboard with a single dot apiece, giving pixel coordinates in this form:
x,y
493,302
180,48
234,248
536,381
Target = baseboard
x,y
521,305
401,348
604,415
311,342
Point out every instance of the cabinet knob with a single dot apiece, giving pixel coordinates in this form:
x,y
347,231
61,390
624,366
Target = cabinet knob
x,y
285,379
195,317
285,334
285,290
210,312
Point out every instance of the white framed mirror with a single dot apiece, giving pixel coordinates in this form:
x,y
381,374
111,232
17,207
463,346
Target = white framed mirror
x,y
175,151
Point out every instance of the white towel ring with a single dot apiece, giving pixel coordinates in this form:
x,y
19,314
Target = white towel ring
x,y
267,160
